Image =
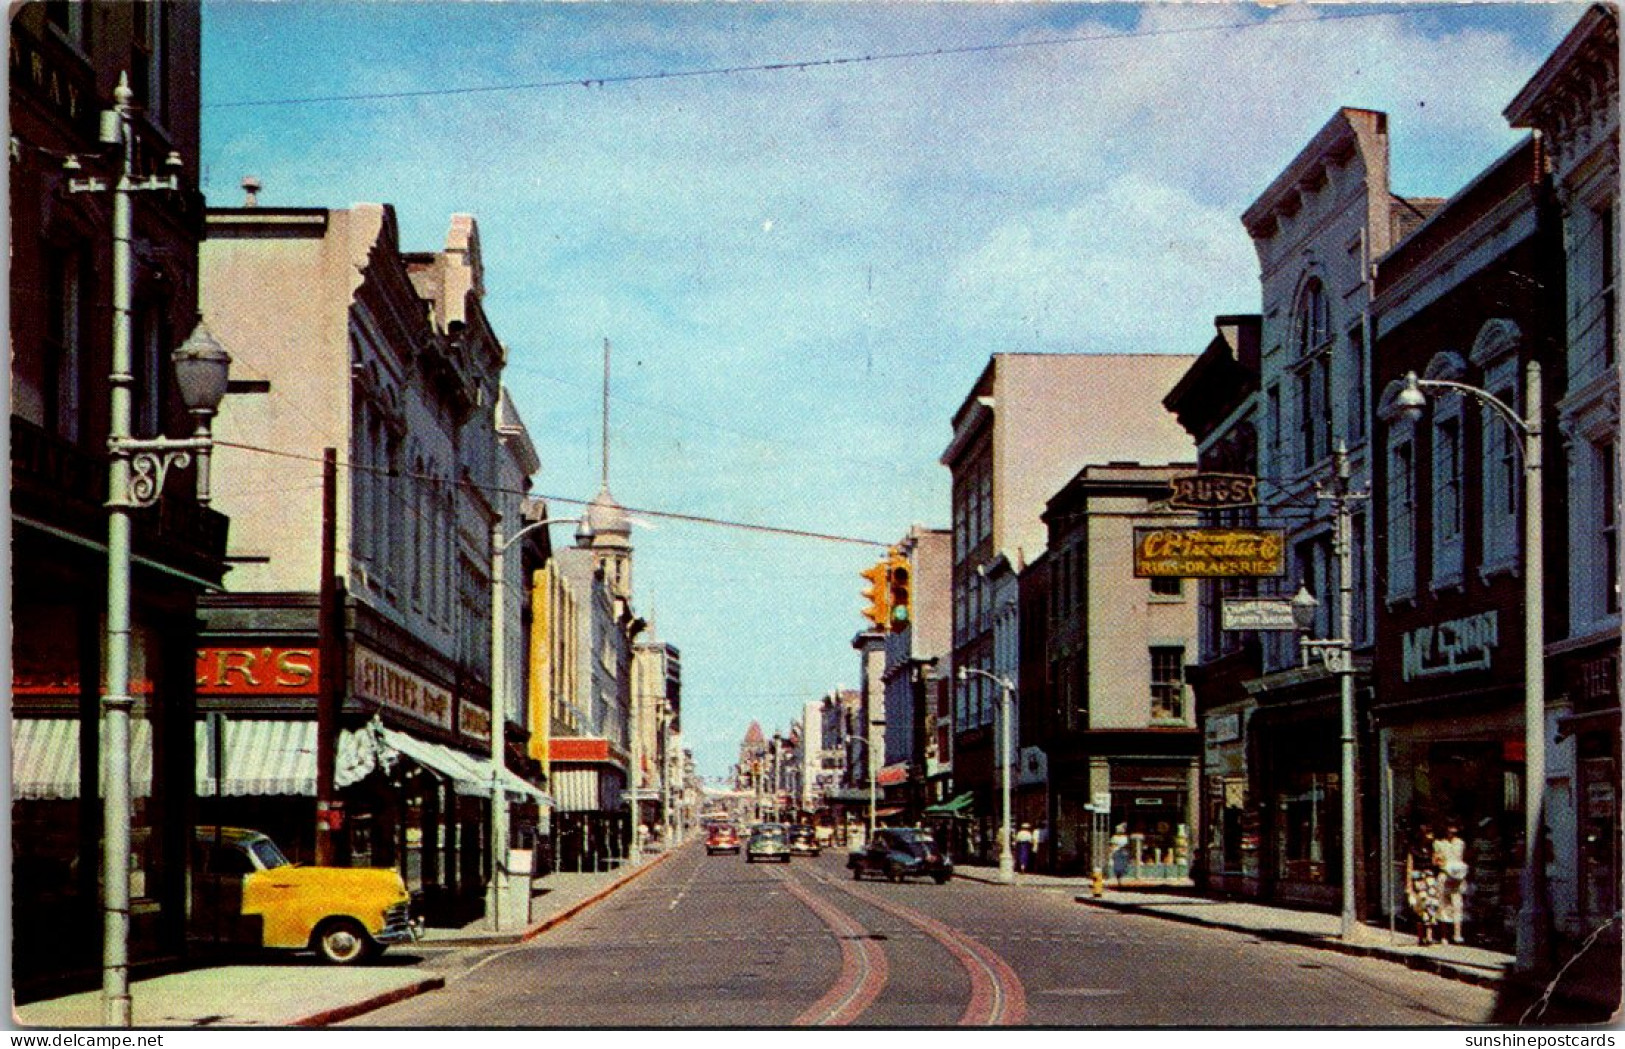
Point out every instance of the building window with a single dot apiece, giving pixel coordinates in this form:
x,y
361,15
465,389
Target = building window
x,y
147,368
1167,683
1607,576
148,58
72,20
1275,422
1167,586
1448,508
1401,514
1357,377
63,366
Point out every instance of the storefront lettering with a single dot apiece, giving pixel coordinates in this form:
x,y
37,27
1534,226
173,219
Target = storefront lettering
x,y
380,680
475,722
1451,647
1208,552
256,671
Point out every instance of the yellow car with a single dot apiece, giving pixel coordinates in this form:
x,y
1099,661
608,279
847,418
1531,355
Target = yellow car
x,y
246,891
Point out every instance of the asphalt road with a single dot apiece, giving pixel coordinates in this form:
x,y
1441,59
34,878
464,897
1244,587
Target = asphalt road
x,y
717,942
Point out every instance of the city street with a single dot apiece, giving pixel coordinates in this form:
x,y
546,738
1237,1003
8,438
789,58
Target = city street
x,y
715,941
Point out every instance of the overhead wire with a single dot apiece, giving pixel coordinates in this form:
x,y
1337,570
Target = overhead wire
x,y
802,65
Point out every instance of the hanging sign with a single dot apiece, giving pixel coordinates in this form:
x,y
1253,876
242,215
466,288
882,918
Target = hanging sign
x,y
1256,613
1209,553
1209,491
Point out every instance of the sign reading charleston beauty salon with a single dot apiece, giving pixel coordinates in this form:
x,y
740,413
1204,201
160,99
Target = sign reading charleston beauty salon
x,y
393,686
1450,647
1209,553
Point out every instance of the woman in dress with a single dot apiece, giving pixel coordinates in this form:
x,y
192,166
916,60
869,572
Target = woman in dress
x,y
1450,860
1424,892
1119,844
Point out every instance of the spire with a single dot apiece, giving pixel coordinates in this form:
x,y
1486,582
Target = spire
x,y
604,452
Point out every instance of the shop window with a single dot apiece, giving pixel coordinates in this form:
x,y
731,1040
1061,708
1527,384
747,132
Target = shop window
x,y
1167,683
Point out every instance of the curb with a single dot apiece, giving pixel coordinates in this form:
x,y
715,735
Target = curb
x,y
340,1013
1421,963
575,909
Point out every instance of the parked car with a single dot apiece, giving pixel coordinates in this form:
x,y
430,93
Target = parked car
x,y
768,841
804,840
722,837
245,891
896,853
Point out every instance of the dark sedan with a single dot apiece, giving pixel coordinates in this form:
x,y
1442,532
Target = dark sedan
x,y
901,852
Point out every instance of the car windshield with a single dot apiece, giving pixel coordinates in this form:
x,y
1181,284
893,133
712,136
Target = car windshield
x,y
773,831
913,841
267,854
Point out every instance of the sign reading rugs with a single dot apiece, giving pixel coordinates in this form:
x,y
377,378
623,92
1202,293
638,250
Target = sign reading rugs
x,y
386,683
1450,647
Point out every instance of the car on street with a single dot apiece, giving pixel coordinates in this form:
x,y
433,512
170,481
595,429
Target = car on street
x,y
246,891
722,837
768,841
896,853
804,840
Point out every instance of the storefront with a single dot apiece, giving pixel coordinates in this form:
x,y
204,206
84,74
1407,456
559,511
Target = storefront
x,y
1295,761
1231,813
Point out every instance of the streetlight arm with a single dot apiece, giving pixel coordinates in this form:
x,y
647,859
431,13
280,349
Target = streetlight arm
x,y
532,527
1484,397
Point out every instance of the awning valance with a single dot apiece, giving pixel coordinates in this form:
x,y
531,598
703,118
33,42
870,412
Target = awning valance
x,y
959,806
45,759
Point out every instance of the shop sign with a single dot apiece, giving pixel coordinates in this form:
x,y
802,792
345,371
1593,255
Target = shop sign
x,y
1209,553
388,684
474,722
1103,801
1450,647
1213,491
263,671
1256,613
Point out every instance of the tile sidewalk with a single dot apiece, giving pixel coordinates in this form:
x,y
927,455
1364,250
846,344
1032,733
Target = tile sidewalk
x,y
296,992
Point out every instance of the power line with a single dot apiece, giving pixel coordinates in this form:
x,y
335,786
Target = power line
x,y
802,65
672,515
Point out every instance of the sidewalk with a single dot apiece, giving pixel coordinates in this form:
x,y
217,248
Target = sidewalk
x,y
294,991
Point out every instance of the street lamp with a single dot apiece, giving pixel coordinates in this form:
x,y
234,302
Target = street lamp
x,y
499,709
1007,861
1409,402
137,470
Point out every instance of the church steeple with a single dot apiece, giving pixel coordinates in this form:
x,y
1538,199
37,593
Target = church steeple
x,y
605,528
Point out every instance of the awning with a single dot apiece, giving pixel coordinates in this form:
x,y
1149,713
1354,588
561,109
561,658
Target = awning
x,y
278,757
472,775
45,759
890,810
957,807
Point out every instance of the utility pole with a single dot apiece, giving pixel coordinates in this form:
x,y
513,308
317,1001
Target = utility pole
x,y
329,628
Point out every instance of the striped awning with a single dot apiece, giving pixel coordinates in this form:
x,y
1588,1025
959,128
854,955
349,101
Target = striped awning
x,y
257,757
45,759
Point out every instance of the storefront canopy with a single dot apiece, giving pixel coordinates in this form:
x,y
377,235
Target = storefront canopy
x,y
960,806
256,757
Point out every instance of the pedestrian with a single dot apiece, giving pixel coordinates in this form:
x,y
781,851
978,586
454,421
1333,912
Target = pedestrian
x,y
1024,848
1119,843
1450,860
1422,889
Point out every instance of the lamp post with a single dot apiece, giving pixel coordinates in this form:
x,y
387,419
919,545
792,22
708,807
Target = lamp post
x,y
1007,861
1337,655
137,470
1409,402
499,709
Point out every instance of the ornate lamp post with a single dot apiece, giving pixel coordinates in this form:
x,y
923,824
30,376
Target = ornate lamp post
x,y
137,470
1007,860
1410,402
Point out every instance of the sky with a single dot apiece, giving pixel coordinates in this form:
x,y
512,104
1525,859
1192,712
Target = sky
x,y
803,270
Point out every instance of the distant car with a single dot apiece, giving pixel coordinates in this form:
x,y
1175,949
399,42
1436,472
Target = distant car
x,y
896,853
768,841
722,837
804,840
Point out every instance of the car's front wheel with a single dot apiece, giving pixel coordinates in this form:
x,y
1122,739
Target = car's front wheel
x,y
941,879
342,941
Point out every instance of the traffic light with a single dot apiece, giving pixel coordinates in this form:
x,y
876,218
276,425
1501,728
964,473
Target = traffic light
x,y
878,594
899,593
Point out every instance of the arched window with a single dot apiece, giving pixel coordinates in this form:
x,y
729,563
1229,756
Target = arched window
x,y
1312,317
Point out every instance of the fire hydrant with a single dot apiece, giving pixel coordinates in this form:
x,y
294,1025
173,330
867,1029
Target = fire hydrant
x,y
1098,883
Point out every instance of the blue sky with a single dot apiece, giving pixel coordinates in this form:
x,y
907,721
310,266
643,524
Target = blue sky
x,y
802,271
